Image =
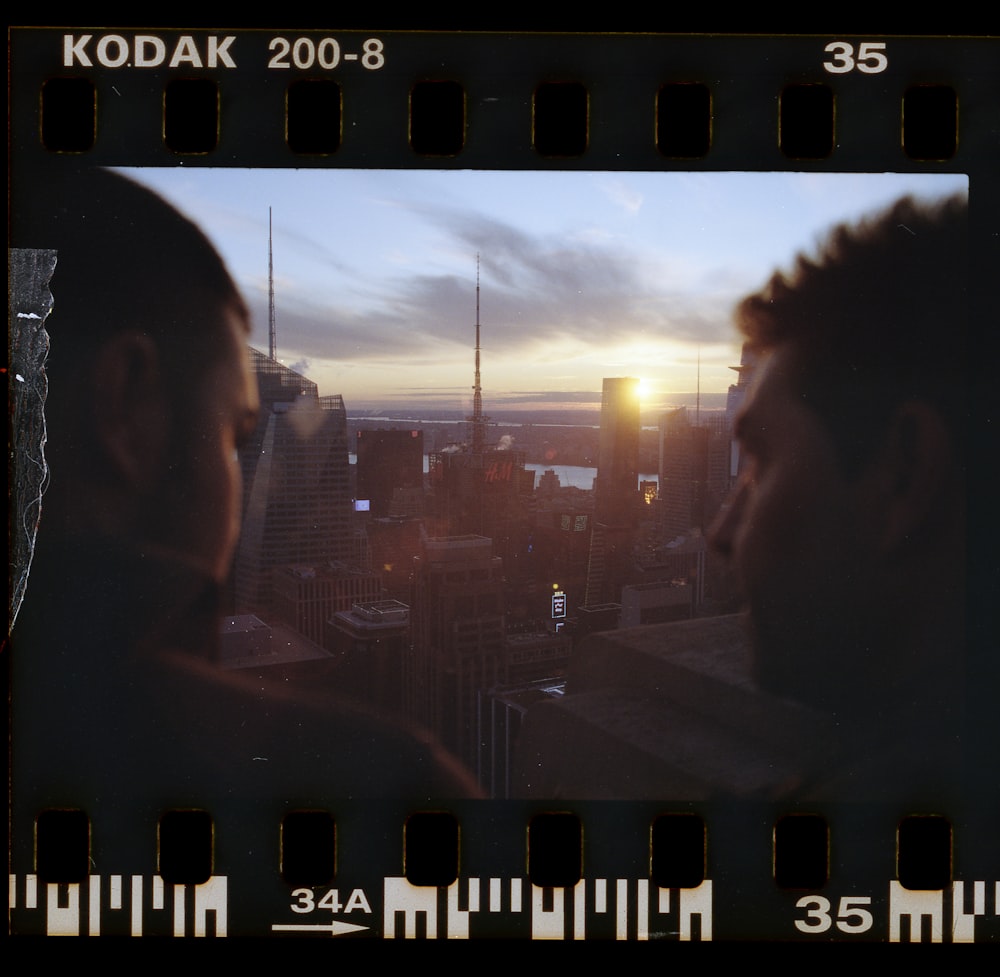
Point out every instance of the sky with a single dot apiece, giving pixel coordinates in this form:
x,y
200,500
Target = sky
x,y
583,275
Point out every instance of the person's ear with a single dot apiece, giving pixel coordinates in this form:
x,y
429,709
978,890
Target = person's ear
x,y
131,416
917,467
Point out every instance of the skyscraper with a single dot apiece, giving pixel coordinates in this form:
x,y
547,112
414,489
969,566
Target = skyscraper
x,y
457,619
296,483
694,471
389,462
617,492
618,452
734,400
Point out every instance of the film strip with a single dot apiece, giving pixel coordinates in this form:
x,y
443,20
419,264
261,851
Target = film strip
x,y
486,701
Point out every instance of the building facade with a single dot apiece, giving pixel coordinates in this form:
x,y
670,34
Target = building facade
x,y
617,492
296,484
372,640
458,632
390,466
306,597
617,481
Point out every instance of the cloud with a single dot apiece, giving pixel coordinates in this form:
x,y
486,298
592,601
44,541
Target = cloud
x,y
551,397
536,290
619,193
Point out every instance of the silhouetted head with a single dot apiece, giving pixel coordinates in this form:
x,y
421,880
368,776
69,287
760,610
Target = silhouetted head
x,y
875,320
149,387
847,525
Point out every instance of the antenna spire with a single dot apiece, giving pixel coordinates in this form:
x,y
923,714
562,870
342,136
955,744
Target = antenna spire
x,y
697,403
477,421
272,336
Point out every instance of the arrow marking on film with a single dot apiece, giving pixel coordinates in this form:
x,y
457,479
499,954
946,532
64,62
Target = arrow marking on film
x,y
335,927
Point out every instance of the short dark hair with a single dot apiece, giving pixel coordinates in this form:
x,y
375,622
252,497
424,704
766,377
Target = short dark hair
x,y
876,319
127,260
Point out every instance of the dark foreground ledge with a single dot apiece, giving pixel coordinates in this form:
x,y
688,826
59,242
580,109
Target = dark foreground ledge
x,y
666,711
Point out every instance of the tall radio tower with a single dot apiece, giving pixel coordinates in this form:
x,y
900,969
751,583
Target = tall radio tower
x,y
477,421
272,337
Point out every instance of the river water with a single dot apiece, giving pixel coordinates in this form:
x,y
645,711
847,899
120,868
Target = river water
x,y
575,476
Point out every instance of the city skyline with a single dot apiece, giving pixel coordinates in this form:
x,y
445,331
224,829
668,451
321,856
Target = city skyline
x,y
584,275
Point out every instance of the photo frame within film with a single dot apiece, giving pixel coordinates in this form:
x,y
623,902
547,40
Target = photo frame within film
x,y
502,487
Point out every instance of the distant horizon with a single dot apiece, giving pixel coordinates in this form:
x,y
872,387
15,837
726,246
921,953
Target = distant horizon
x,y
525,403
583,275
403,412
